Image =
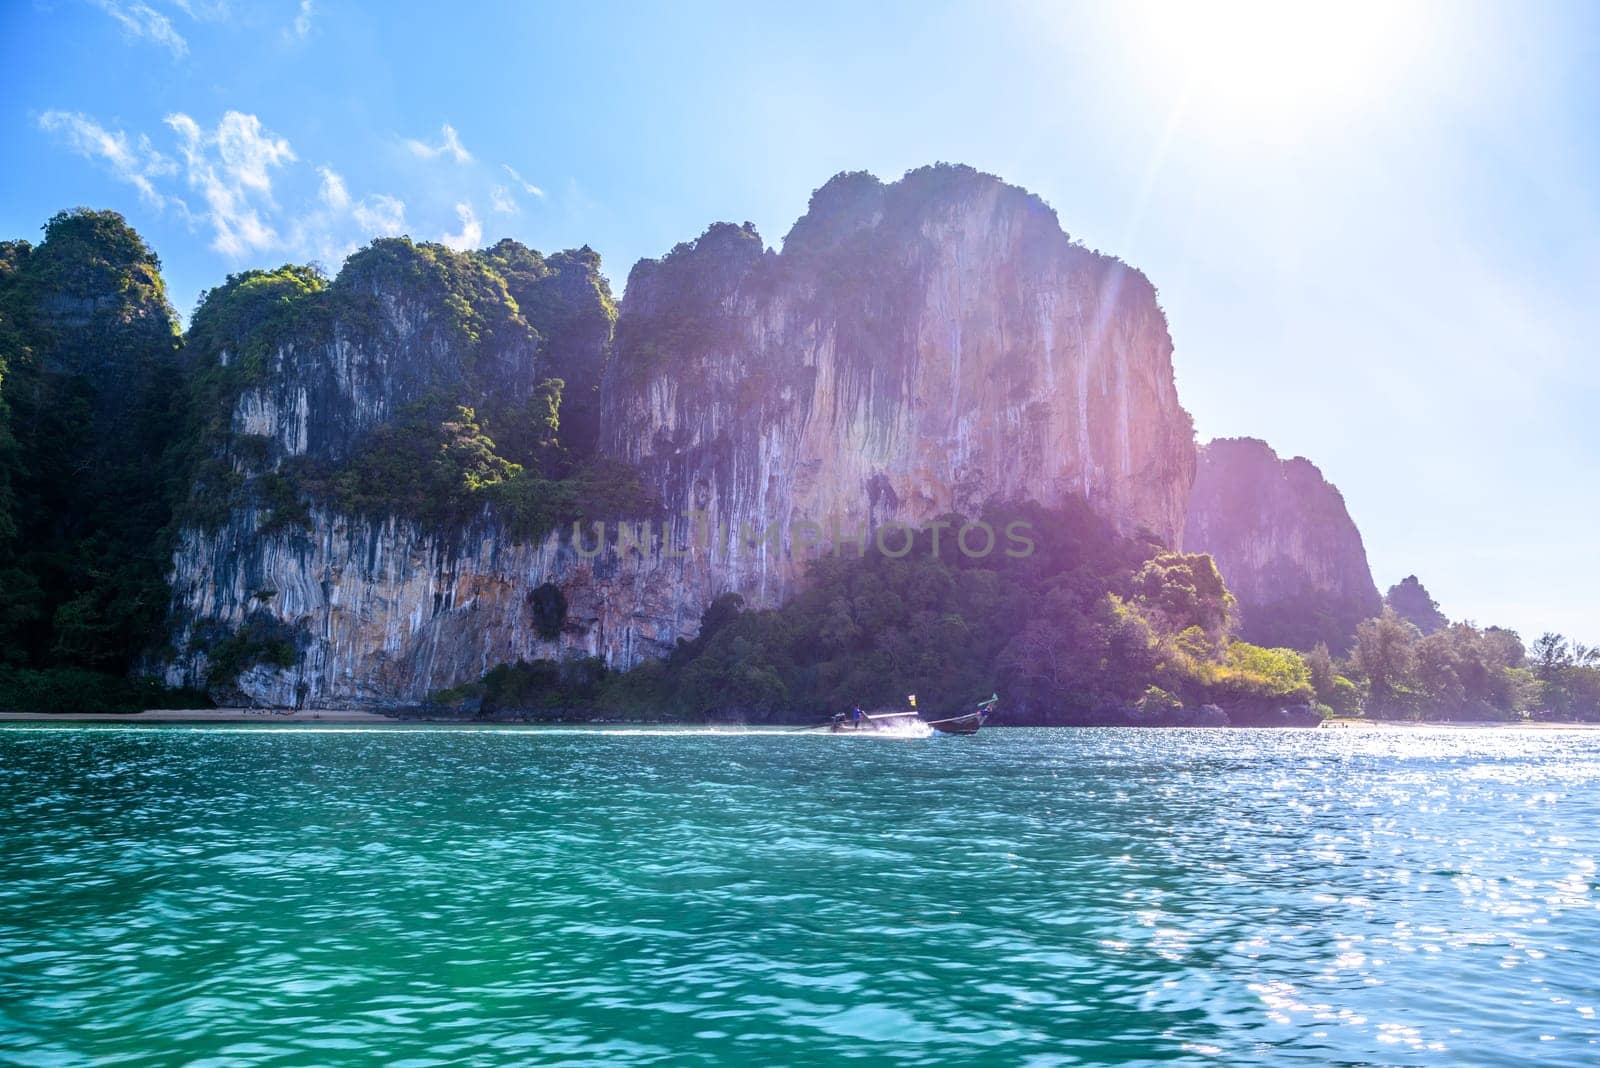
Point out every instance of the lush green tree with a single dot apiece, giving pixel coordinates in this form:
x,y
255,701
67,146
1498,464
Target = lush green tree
x,y
1551,656
1185,590
1274,673
1321,670
1568,679
1385,654
1459,672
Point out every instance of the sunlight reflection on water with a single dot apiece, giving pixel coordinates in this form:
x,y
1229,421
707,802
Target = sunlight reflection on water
x,y
238,895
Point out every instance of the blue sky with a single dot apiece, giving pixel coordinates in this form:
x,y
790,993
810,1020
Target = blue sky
x,y
1375,229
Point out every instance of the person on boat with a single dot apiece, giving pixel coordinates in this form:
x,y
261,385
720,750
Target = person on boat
x,y
856,716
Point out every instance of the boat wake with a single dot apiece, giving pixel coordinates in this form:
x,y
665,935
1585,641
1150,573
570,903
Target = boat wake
x,y
898,730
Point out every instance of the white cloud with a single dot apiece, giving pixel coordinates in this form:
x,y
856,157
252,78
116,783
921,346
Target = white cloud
x,y
135,162
335,193
302,21
471,235
143,21
240,169
379,215
248,151
527,186
451,146
231,168
501,200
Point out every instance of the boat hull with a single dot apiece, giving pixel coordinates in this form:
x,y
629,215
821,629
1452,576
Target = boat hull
x,y
967,724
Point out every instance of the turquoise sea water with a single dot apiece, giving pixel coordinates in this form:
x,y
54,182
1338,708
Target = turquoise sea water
x,y
279,895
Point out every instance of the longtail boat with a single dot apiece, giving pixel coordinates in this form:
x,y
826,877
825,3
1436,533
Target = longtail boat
x,y
967,722
910,721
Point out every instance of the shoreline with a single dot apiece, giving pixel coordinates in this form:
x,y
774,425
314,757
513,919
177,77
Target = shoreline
x,y
352,717
1462,725
207,715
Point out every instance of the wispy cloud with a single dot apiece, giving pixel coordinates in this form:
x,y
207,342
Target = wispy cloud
x,y
300,29
205,10
253,194
471,235
135,162
142,21
231,167
342,222
451,146
527,186
501,200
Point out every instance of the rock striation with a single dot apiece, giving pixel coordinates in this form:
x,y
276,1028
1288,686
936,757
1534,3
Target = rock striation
x,y
1284,542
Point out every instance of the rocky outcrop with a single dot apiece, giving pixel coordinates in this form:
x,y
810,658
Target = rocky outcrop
x,y
1284,542
917,348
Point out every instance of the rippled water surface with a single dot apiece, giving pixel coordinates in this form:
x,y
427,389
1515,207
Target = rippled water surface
x,y
280,895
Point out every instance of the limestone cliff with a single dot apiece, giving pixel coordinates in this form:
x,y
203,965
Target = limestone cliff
x,y
1284,542
379,613
916,348
323,577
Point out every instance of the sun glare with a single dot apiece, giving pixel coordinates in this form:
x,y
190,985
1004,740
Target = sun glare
x,y
1257,62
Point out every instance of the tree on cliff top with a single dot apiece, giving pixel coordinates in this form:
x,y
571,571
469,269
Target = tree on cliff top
x,y
1410,599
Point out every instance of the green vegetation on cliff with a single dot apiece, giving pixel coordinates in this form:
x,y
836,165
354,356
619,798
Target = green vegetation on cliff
x,y
115,431
91,391
452,327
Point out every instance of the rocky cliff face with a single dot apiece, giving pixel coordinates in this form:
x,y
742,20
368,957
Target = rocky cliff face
x,y
293,595
374,614
916,348
1284,542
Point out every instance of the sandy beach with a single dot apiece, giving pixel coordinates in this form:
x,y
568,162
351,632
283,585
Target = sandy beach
x,y
1345,723
206,715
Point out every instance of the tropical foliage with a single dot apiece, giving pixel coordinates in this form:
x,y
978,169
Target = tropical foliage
x,y
91,391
